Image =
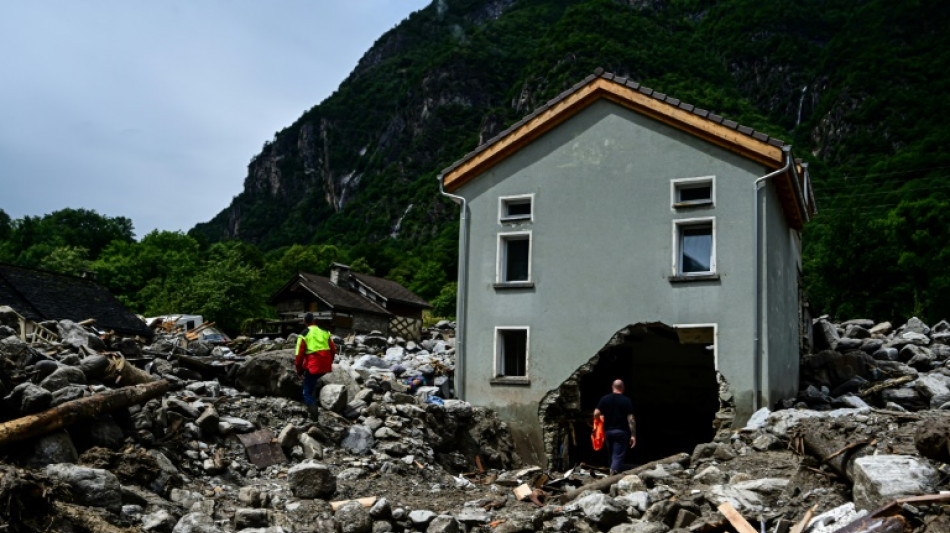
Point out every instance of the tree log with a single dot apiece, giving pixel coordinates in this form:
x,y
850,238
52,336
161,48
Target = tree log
x,y
607,482
88,408
832,453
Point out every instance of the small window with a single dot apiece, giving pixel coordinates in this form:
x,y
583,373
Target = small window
x,y
515,208
694,248
511,348
514,257
692,192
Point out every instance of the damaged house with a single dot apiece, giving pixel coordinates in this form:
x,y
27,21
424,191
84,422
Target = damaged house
x,y
30,297
350,302
620,233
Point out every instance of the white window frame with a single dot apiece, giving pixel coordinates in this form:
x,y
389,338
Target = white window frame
x,y
687,183
499,363
501,257
505,201
715,330
677,241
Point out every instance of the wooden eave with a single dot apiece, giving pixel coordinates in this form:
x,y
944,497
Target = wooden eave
x,y
741,140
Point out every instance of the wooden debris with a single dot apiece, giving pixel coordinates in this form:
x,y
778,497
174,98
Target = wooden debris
x,y
88,408
478,463
607,482
522,492
88,519
848,447
262,448
803,523
870,391
736,519
365,502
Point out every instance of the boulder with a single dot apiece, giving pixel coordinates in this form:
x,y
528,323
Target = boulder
x,y
196,523
251,518
829,368
352,517
935,388
76,336
359,439
90,486
751,497
310,479
443,524
16,351
421,518
825,334
53,448
598,508
270,374
26,398
333,397
878,479
63,376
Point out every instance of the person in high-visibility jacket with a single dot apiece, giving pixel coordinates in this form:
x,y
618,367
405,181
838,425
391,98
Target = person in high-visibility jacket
x,y
314,358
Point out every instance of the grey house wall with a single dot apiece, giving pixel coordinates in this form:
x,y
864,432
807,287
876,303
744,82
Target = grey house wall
x,y
602,255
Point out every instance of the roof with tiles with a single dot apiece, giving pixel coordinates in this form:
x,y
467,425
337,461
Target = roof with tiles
x,y
746,141
39,295
391,290
337,297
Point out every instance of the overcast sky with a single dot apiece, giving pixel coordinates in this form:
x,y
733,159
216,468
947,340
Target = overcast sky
x,y
152,110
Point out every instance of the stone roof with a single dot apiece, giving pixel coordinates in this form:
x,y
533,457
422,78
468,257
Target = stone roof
x,y
391,290
337,297
39,295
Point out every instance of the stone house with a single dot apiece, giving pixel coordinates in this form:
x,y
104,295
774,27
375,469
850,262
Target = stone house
x,y
618,232
350,302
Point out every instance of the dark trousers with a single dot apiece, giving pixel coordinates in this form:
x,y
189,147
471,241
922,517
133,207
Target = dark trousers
x,y
311,388
618,442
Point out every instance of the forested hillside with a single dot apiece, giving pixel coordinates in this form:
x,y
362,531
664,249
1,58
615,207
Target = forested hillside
x,y
858,87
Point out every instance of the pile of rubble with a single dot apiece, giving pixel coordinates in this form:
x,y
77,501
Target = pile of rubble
x,y
103,434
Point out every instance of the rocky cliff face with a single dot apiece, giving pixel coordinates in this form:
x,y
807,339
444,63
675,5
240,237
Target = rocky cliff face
x,y
456,73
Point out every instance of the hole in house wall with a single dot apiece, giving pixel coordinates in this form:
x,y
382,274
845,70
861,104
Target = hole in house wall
x,y
679,398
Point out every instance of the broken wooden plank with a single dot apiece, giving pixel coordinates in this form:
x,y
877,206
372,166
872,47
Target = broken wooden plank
x,y
365,502
607,482
885,385
262,448
848,447
88,408
736,519
803,523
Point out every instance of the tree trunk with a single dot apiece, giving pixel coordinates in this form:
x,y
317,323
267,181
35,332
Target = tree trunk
x,y
88,408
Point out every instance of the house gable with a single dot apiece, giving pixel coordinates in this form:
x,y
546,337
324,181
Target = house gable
x,y
793,189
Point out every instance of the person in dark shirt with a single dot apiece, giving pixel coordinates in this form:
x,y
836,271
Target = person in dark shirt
x,y
620,427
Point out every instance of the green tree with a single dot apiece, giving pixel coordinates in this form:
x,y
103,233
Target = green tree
x,y
67,260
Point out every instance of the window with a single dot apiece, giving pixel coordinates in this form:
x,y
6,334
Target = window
x,y
693,192
514,257
515,208
511,349
694,247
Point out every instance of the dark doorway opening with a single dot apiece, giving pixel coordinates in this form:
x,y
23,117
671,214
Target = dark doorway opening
x,y
671,378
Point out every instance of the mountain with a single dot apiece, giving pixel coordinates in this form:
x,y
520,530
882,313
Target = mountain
x,y
856,86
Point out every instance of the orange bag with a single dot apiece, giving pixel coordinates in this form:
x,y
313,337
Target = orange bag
x,y
597,436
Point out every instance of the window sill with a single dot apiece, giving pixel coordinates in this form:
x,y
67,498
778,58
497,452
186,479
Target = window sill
x,y
699,277
516,381
688,205
514,285
515,218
